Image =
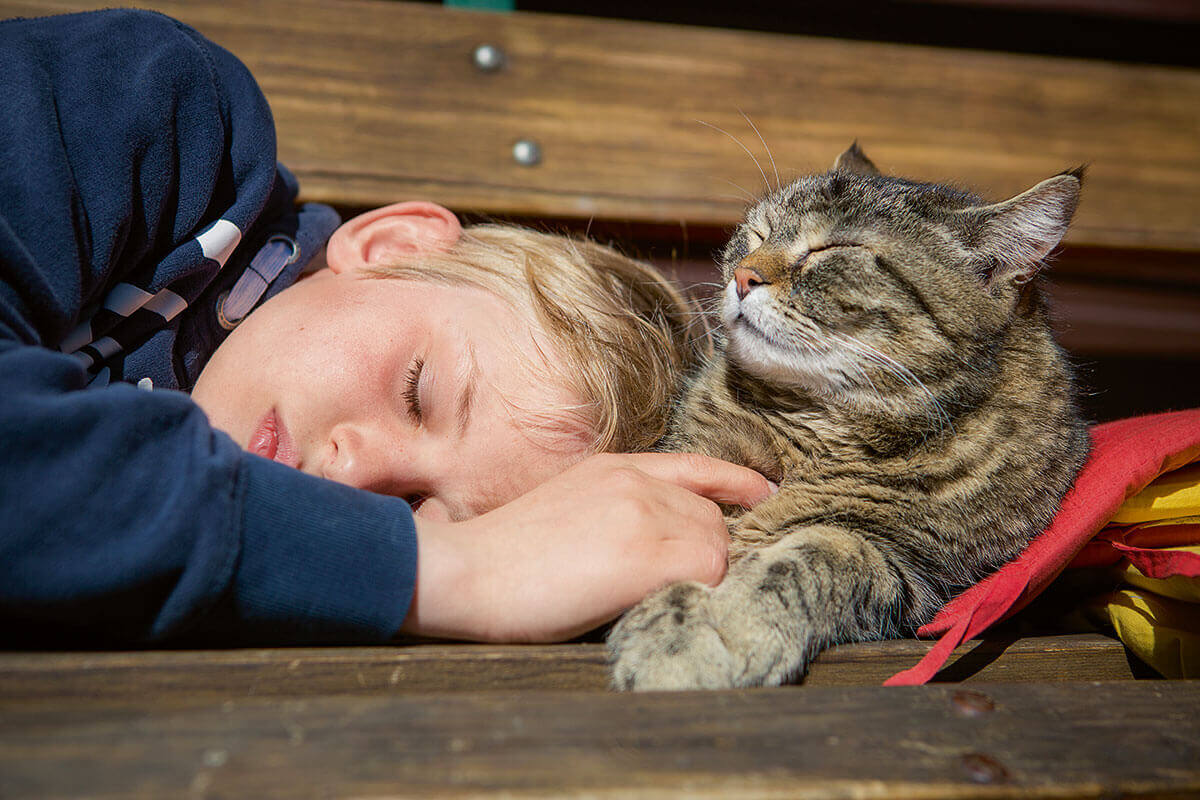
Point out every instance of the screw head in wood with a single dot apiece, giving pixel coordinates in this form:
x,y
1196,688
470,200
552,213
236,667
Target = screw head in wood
x,y
527,153
488,58
982,768
972,704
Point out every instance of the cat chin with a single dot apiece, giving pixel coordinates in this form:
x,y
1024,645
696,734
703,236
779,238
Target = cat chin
x,y
808,371
750,324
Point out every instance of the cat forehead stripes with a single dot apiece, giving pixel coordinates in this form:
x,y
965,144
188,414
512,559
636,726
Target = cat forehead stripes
x,y
854,203
840,197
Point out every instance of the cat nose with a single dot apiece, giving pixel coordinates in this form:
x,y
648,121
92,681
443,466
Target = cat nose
x,y
746,279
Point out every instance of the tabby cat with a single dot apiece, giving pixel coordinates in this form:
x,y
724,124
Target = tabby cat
x,y
884,356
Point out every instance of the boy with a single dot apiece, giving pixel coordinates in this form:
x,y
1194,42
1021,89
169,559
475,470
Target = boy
x,y
147,236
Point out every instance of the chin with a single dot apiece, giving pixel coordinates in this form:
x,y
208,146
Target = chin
x,y
772,351
802,368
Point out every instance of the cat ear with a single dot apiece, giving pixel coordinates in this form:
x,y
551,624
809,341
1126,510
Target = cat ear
x,y
856,161
1015,236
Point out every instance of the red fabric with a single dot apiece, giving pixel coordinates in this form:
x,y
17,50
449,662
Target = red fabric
x,y
1126,456
1160,563
1103,551
1143,548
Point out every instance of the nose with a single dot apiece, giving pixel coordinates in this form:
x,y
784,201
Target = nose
x,y
746,279
375,460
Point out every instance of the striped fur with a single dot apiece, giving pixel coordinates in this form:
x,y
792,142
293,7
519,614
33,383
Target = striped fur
x,y
891,366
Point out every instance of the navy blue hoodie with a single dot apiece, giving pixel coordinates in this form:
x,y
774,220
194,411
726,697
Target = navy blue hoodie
x,y
138,183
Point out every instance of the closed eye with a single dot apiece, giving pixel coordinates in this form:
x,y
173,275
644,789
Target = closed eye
x,y
822,248
754,239
412,395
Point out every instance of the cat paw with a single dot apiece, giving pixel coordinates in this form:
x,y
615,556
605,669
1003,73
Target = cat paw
x,y
671,642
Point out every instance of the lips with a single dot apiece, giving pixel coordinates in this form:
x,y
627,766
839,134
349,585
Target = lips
x,y
271,440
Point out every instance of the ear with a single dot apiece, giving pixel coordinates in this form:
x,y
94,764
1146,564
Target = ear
x,y
395,233
1014,237
856,161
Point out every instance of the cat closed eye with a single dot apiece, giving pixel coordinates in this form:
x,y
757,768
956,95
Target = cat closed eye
x,y
755,239
803,259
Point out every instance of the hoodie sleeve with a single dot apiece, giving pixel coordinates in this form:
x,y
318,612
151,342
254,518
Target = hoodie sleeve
x,y
124,516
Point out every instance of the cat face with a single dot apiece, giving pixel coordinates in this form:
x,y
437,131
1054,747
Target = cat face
x,y
850,283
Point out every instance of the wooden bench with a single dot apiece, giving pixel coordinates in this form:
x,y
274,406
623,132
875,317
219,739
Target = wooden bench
x,y
378,101
1015,717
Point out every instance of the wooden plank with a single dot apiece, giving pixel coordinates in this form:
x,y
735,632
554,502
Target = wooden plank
x,y
1016,740
993,659
189,678
202,677
379,101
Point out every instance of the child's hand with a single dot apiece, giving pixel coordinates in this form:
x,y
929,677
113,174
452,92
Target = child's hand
x,y
578,550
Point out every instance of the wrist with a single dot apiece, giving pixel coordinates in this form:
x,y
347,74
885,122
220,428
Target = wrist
x,y
445,599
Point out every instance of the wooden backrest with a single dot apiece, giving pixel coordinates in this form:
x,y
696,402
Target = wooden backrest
x,y
379,101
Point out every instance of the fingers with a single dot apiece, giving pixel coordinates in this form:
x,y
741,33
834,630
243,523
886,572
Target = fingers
x,y
687,559
693,538
717,480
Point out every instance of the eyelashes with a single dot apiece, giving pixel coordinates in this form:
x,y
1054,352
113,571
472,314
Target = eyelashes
x,y
412,397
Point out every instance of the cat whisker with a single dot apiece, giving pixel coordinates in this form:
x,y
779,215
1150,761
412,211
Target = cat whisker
x,y
902,373
748,194
747,198
739,144
863,374
765,147
853,375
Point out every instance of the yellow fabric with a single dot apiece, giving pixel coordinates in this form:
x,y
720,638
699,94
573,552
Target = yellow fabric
x,y
1178,587
1173,495
1163,632
1159,618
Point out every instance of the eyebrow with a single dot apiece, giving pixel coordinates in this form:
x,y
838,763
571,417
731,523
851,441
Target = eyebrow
x,y
468,375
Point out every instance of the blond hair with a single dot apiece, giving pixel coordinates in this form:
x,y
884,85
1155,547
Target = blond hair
x,y
624,331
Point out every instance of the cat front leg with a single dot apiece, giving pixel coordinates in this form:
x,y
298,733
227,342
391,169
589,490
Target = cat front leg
x,y
761,626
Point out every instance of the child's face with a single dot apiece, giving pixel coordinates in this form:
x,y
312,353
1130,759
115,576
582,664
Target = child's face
x,y
320,378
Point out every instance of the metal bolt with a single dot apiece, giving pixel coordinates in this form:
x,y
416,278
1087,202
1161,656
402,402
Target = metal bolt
x,y
488,58
527,153
982,768
972,704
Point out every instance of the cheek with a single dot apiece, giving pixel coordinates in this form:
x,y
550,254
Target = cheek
x,y
345,348
841,293
237,381
514,455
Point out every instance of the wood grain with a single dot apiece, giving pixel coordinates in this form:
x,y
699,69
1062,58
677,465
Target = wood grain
x,y
188,678
1014,740
379,101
